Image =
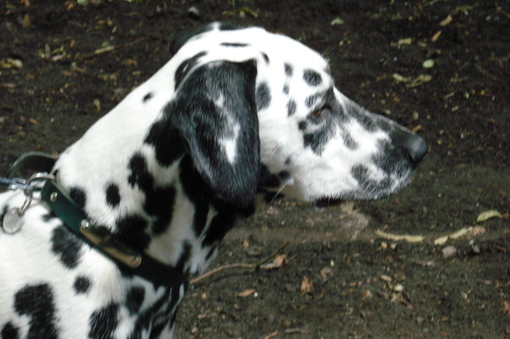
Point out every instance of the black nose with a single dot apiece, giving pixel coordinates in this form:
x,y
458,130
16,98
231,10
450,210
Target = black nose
x,y
416,147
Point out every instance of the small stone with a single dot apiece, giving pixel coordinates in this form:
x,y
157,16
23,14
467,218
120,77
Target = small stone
x,y
449,251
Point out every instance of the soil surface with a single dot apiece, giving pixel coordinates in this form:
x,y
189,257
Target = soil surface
x,y
64,65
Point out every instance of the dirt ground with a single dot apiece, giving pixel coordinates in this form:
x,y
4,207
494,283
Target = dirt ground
x,y
63,65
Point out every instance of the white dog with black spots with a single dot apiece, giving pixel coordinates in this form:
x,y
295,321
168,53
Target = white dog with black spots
x,y
235,111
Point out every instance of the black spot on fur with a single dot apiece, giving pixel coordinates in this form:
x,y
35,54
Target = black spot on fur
x,y
49,216
266,58
66,246
302,125
263,96
361,174
319,138
268,179
139,175
9,331
147,97
82,285
391,159
312,78
312,99
185,255
197,191
158,200
159,204
79,196
103,322
112,195
286,89
284,175
134,299
211,251
349,142
132,229
289,70
36,302
220,224
288,161
234,44
165,314
166,142
185,67
291,108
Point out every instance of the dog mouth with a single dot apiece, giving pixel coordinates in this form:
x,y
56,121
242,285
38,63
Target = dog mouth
x,y
327,202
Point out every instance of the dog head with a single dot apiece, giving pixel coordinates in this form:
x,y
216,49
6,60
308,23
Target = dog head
x,y
257,108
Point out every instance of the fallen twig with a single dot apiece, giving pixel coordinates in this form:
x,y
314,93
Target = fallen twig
x,y
108,49
486,73
254,266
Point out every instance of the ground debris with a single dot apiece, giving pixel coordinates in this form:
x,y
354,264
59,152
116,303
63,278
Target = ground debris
x,y
271,335
473,230
397,237
306,285
246,293
490,214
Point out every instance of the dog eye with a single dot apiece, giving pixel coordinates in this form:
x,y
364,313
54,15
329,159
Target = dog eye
x,y
322,113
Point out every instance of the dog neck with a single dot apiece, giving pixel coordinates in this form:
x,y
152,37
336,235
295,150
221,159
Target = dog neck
x,y
145,203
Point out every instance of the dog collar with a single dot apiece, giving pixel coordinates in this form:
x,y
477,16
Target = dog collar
x,y
130,261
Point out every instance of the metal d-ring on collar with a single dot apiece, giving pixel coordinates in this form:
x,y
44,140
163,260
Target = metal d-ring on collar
x,y
74,218
29,189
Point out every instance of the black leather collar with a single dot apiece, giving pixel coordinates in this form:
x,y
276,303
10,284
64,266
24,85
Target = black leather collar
x,y
65,208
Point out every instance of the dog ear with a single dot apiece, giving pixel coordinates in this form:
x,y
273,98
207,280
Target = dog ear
x,y
215,113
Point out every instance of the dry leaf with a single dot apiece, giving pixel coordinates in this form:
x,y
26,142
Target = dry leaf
x,y
245,293
11,63
441,240
386,278
420,80
278,262
428,63
337,21
506,304
306,285
97,104
489,215
367,294
460,233
271,335
26,21
325,272
446,21
399,77
435,36
406,41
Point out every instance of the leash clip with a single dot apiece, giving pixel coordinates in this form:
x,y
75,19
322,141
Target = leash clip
x,y
13,219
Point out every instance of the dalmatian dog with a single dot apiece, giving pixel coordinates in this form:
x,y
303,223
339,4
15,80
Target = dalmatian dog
x,y
166,172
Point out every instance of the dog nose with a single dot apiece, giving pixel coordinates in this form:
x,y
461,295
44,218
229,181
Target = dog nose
x,y
416,147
